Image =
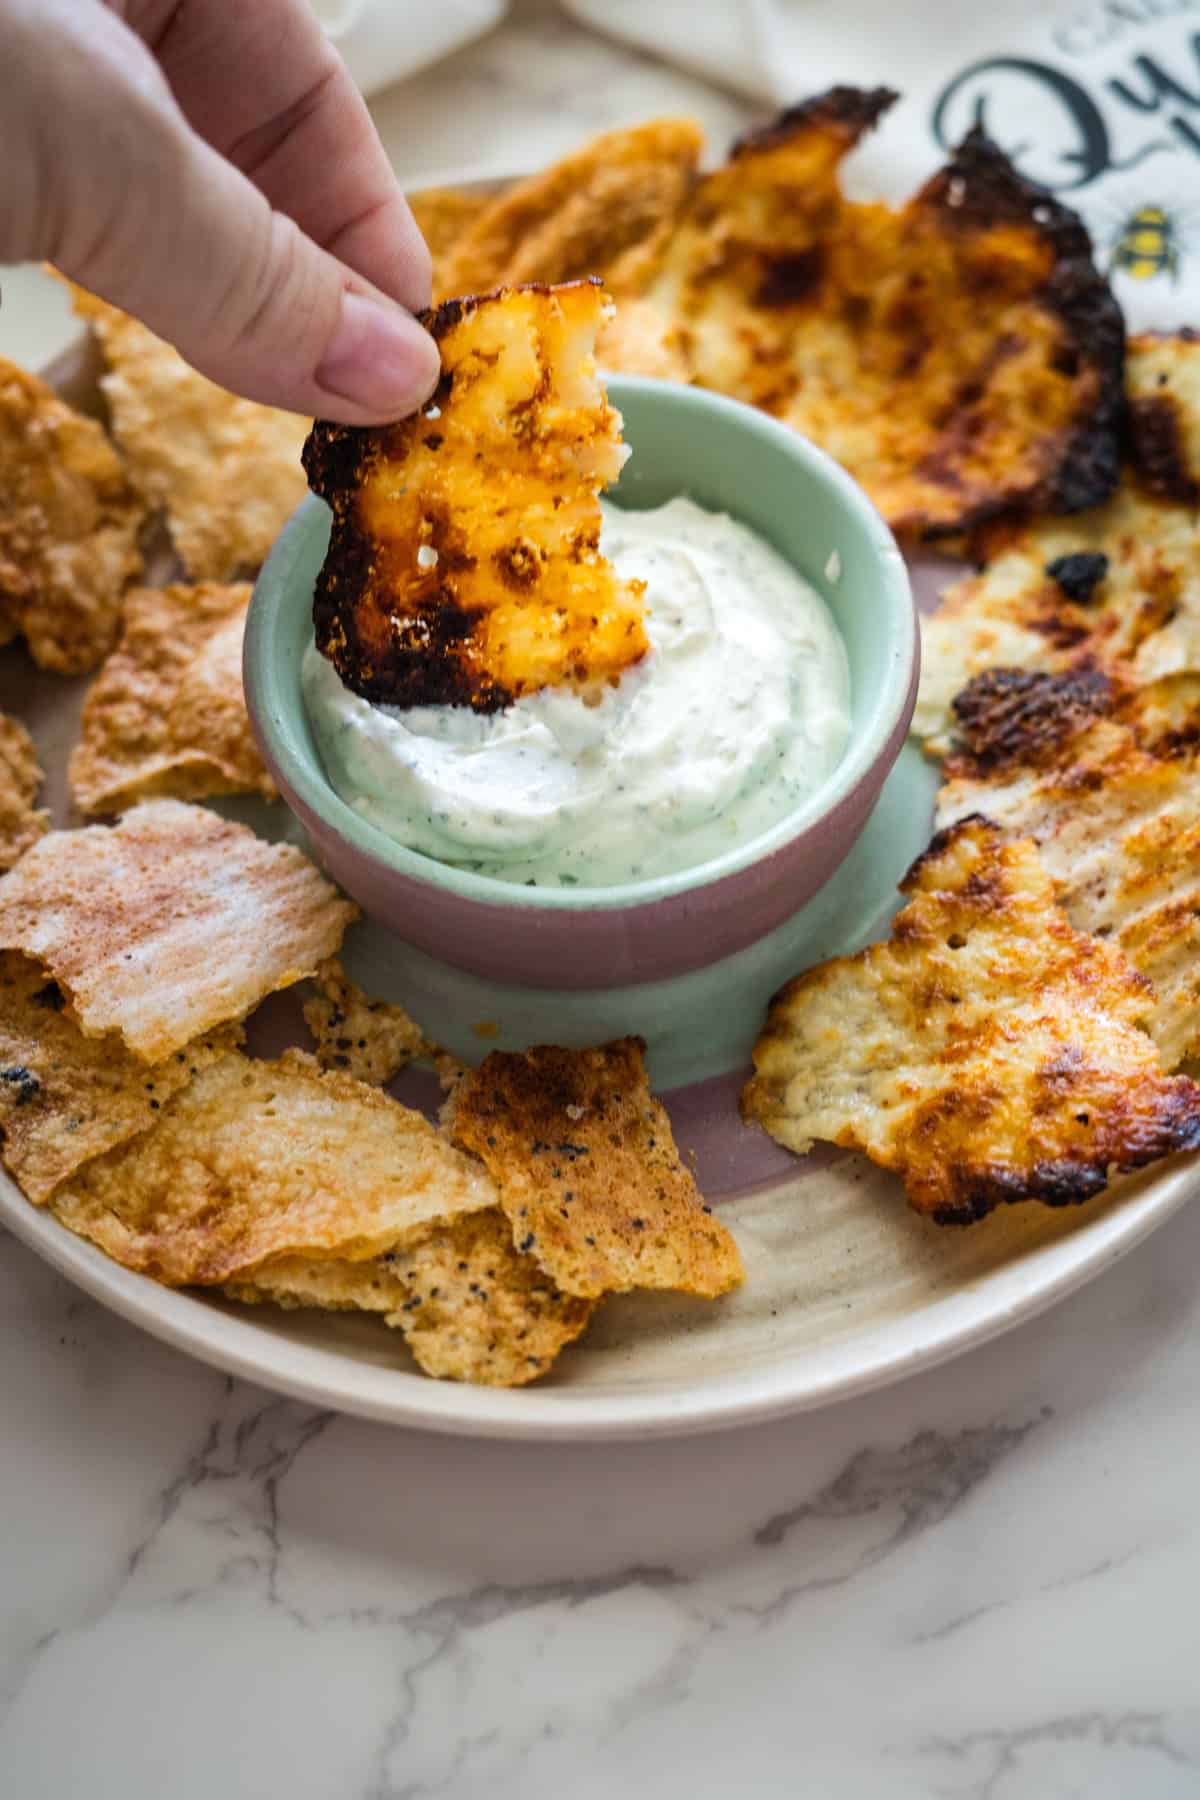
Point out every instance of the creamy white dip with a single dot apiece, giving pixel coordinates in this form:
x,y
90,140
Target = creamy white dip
x,y
739,711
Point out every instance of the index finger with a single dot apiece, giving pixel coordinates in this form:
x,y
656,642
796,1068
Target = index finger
x,y
263,85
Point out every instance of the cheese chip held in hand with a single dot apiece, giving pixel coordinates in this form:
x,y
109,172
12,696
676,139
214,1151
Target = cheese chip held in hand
x,y
464,566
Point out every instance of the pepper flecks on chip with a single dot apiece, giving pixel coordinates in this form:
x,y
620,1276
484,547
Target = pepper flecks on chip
x,y
464,566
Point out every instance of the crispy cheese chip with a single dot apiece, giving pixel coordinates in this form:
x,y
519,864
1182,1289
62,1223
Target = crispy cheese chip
x,y
225,471
588,1172
1117,589
1162,380
597,211
1110,788
959,356
370,1039
69,525
167,713
464,566
21,822
255,1161
470,1306
443,215
988,1052
170,922
66,1098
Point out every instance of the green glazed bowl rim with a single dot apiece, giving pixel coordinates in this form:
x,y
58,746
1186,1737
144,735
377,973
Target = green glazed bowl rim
x,y
275,695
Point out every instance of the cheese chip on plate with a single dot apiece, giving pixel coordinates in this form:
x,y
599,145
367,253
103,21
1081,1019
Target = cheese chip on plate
x,y
988,1052
21,822
597,211
255,1161
588,1172
66,1098
471,1307
167,712
69,523
370,1039
1109,785
1116,589
960,355
170,922
225,471
464,566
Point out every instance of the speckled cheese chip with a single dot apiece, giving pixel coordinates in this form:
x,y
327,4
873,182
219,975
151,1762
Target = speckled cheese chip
x,y
260,1160
66,1098
21,822
170,922
225,471
167,713
588,1172
1162,382
988,1052
470,1306
370,1039
69,522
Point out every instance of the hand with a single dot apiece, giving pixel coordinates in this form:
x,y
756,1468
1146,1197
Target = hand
x,y
209,166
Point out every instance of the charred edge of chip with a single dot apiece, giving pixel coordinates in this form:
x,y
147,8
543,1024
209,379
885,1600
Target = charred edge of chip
x,y
941,841
1079,573
441,319
1068,1181
1157,448
849,109
1018,715
430,669
980,186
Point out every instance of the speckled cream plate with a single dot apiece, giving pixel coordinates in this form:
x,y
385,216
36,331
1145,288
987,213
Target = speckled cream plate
x,y
846,1289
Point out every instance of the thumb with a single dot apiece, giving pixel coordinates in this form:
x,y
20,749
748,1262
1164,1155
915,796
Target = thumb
x,y
188,244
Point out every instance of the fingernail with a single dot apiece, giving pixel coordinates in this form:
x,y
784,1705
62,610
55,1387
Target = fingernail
x,y
378,358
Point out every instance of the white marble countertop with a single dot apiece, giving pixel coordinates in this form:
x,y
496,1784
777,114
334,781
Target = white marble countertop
x,y
980,1585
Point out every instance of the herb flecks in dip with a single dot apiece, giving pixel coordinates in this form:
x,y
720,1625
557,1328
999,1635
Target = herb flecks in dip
x,y
738,713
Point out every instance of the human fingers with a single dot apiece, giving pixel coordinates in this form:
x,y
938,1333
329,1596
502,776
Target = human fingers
x,y
133,204
264,87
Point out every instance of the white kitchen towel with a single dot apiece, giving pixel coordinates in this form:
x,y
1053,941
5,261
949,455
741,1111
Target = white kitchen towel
x,y
383,40
1099,100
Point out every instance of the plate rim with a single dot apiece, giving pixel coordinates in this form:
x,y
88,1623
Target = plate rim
x,y
860,1362
972,1315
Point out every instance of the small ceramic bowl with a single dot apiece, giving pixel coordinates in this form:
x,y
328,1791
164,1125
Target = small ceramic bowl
x,y
727,458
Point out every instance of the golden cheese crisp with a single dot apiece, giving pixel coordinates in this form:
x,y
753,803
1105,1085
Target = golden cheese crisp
x,y
225,471
597,211
1116,589
988,1052
960,355
69,523
170,922
1162,379
370,1039
464,566
1109,785
443,214
470,1306
259,1160
66,1098
588,1172
167,713
21,822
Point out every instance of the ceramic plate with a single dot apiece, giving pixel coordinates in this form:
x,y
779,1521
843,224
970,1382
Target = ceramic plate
x,y
846,1288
